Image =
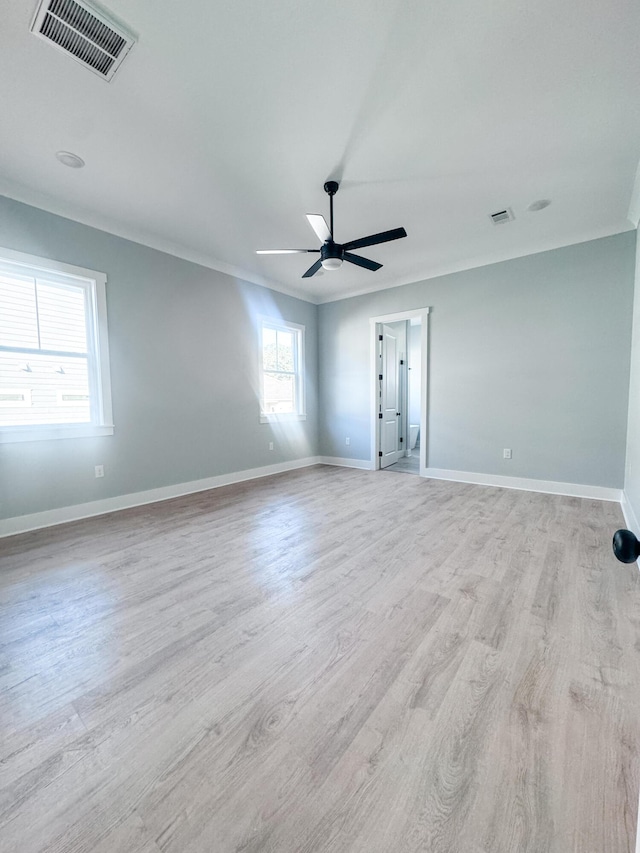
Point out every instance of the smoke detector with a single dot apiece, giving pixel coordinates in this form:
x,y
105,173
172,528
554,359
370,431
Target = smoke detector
x,y
85,33
69,159
540,204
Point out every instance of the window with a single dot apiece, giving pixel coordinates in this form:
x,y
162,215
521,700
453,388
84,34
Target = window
x,y
54,359
281,371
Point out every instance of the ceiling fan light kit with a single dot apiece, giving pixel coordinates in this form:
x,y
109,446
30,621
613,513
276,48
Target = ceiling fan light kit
x,y
333,254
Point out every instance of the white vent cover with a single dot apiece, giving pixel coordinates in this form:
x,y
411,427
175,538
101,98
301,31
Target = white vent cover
x,y
502,216
85,33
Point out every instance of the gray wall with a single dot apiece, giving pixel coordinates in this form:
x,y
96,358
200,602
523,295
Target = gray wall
x,y
531,354
184,371
632,474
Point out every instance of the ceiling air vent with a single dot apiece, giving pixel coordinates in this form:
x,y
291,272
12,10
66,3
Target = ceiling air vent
x,y
502,216
85,33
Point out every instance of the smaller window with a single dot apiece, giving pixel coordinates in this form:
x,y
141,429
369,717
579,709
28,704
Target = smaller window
x,y
281,371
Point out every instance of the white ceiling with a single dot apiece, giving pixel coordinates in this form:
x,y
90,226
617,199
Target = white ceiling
x,y
216,135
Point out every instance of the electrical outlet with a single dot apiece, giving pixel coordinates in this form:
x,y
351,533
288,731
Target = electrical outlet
x,y
506,453
270,445
347,441
99,469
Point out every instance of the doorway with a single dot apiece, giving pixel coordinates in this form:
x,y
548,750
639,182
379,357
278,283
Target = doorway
x,y
399,391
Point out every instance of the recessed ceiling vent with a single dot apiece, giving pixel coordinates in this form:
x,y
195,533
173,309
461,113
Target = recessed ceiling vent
x,y
85,33
502,216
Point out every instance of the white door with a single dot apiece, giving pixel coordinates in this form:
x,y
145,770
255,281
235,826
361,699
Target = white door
x,y
390,399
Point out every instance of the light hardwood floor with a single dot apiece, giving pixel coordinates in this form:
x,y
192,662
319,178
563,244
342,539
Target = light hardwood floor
x,y
406,464
327,660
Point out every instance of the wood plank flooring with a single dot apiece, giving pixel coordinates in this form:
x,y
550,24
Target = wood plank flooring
x,y
327,660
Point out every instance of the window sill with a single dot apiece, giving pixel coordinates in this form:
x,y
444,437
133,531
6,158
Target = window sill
x,y
52,432
280,417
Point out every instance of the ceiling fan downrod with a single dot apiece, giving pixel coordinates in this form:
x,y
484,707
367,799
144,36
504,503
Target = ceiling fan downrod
x,y
331,188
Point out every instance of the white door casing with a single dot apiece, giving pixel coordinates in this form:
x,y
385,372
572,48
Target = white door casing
x,y
376,363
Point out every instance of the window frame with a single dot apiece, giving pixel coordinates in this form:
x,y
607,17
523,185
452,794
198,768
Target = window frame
x,y
279,324
94,286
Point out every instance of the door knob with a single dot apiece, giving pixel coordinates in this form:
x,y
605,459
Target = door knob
x,y
626,546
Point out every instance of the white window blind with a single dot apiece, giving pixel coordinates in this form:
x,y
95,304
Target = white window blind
x,y
50,367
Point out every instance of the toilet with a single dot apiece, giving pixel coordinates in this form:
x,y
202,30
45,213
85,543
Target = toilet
x,y
414,429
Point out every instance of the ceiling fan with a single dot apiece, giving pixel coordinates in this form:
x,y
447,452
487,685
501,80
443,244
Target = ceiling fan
x,y
332,254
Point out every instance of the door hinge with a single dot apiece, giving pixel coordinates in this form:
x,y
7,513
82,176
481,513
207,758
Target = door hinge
x,y
401,439
379,453
380,377
402,361
380,338
380,414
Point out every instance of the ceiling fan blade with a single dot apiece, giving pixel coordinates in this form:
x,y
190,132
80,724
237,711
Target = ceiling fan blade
x,y
362,262
373,239
313,269
319,225
284,251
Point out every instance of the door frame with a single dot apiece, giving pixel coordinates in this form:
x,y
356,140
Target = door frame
x,y
374,322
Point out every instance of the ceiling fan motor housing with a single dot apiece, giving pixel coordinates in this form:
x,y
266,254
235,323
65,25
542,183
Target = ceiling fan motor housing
x,y
331,250
331,255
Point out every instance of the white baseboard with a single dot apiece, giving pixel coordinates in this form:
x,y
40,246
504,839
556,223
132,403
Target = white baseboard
x,y
49,518
62,515
629,515
551,487
362,464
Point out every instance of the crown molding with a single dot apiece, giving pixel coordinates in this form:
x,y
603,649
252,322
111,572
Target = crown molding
x,y
25,195
485,261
